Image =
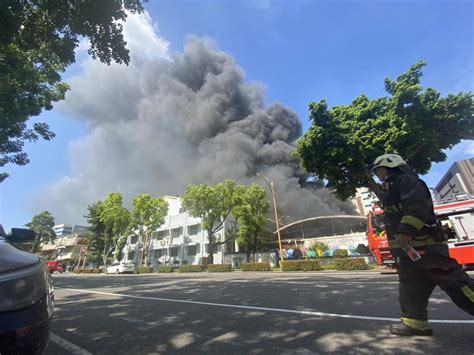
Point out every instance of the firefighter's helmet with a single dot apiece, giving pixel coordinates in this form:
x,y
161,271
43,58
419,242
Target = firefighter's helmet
x,y
388,161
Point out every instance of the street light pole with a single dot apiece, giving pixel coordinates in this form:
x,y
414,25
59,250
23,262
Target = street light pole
x,y
277,220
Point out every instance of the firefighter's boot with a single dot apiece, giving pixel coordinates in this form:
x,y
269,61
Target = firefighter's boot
x,y
402,329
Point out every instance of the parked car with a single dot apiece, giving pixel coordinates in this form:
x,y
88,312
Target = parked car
x,y
55,266
121,268
26,296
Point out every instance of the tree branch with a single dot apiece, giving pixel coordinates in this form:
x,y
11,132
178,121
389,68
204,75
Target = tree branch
x,y
373,186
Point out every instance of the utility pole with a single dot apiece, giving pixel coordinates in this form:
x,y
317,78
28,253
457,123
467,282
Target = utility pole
x,y
277,220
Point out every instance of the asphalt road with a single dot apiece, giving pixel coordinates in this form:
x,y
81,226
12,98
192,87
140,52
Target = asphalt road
x,y
240,313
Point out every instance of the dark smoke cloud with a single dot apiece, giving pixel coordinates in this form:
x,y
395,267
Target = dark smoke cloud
x,y
167,121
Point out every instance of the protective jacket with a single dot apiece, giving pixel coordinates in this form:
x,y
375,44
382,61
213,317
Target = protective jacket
x,y
408,209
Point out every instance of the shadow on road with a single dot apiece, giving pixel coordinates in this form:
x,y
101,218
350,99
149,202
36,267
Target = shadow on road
x,y
109,324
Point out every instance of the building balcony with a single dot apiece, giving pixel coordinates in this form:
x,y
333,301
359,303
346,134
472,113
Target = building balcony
x,y
68,256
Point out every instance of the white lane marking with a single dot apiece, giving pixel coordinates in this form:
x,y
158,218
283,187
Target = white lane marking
x,y
281,310
67,345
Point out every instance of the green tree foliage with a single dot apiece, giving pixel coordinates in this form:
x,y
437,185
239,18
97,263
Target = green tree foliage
x,y
251,213
96,239
147,215
121,242
213,204
109,223
417,123
42,224
116,219
37,42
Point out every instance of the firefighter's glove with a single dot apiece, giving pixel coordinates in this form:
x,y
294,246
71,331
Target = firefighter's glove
x,y
404,240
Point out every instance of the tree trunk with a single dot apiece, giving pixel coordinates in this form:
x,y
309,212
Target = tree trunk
x,y
145,249
104,255
372,185
210,251
35,242
376,189
142,252
254,246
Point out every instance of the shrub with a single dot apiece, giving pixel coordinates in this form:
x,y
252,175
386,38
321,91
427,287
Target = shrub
x,y
218,267
351,264
192,268
255,267
78,271
97,271
144,269
301,265
319,248
341,253
329,267
164,269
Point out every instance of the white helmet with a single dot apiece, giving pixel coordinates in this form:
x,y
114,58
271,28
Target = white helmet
x,y
388,160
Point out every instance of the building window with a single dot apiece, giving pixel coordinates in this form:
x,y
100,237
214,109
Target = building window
x,y
133,239
182,210
161,234
194,229
217,248
192,249
155,254
229,247
176,232
174,251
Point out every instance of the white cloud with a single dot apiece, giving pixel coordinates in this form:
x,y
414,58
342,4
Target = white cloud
x,y
470,149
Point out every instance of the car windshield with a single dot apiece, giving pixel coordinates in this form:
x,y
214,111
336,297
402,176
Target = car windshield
x,y
378,223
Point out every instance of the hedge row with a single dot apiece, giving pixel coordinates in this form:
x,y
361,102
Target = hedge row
x,y
165,269
255,267
218,267
144,270
351,264
301,265
192,268
341,253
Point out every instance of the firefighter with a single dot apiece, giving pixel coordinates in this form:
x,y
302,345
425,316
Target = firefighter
x,y
411,222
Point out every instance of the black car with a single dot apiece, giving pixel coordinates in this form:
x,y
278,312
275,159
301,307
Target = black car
x,y
26,297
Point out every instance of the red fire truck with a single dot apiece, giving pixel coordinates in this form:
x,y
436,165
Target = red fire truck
x,y
456,216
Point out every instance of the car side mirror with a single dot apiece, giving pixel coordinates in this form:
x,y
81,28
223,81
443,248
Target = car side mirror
x,y
20,235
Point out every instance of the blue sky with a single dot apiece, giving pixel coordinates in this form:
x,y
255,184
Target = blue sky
x,y
301,51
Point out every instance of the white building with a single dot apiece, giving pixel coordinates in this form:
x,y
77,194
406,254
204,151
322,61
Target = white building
x,y
364,200
179,240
